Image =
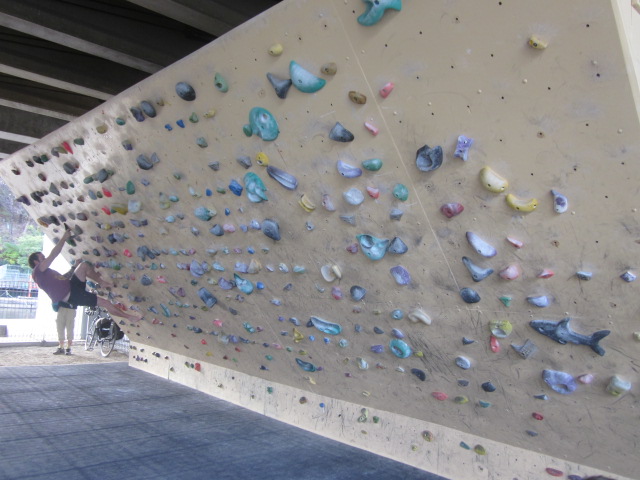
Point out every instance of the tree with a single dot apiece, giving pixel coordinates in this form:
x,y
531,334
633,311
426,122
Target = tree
x,y
16,253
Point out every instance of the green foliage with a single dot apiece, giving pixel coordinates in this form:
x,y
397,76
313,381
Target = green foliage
x,y
16,253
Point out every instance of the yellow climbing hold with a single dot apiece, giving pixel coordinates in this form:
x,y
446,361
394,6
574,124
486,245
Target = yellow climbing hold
x,y
520,204
536,42
306,203
297,336
492,181
276,49
262,159
210,114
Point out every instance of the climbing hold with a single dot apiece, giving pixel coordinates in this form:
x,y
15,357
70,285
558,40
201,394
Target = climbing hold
x,y
220,83
306,366
206,296
348,171
397,246
276,49
480,246
326,327
357,293
285,179
372,165
377,348
546,273
419,373
304,80
562,333
462,147
429,159
336,293
582,275
520,204
397,333
628,276
364,415
375,10
374,248
492,181
484,404
537,416
144,163
387,89
371,128
185,91
441,396
428,436
255,188
193,118
262,159
395,214
244,161
488,387
357,97
560,382
461,399
262,123
469,295
618,386
401,192
515,242
463,362
373,192
340,134
537,43
280,85
494,344
525,350
148,109
244,285
510,272
235,187
137,114
418,315
540,301
306,203
477,273
400,275
353,196
397,314
560,202
271,229
204,213
450,210
500,328
329,68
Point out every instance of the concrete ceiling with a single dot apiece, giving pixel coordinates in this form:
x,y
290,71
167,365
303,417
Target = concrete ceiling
x,y
62,58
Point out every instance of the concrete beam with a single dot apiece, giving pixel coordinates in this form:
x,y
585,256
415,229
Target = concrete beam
x,y
111,29
27,124
45,62
39,111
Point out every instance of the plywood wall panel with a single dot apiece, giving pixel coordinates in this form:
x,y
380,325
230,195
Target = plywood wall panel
x,y
559,118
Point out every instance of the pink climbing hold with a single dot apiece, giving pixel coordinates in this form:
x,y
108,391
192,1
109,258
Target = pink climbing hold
x,y
217,322
537,416
229,228
515,242
107,192
155,321
373,192
161,279
494,344
439,396
554,472
127,253
203,341
373,130
353,248
511,272
197,367
106,210
387,89
336,293
67,147
450,210
546,273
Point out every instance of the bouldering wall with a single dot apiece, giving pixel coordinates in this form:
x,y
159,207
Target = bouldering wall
x,y
426,246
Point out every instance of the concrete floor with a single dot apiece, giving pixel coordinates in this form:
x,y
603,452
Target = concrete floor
x,y
110,421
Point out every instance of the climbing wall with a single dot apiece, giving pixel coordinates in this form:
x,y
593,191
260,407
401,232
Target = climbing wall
x,y
426,246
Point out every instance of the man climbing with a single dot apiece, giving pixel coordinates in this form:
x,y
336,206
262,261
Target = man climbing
x,y
73,292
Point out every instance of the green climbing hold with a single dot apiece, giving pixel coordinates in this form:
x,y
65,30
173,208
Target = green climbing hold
x,y
78,141
401,192
261,123
480,450
255,188
364,415
375,10
304,80
506,300
193,118
220,83
120,121
201,142
373,164
131,187
484,404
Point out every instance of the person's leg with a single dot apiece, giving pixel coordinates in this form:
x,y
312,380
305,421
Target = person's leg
x,y
60,324
84,271
71,320
115,311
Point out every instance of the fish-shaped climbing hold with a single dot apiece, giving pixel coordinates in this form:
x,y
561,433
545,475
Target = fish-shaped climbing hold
x,y
340,134
429,159
255,188
262,123
560,202
481,246
477,273
520,204
304,80
493,181
375,10
562,333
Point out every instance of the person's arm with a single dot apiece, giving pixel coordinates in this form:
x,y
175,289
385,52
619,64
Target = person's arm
x,y
46,263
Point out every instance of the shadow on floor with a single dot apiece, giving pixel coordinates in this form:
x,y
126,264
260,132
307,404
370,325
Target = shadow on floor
x,y
110,421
